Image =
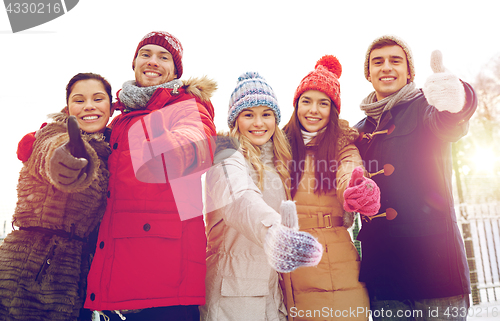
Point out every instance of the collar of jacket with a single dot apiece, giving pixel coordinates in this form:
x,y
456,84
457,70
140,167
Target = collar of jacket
x,y
201,88
387,115
228,145
62,117
267,152
348,135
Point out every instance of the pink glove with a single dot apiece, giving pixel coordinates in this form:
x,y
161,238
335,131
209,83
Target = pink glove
x,y
362,195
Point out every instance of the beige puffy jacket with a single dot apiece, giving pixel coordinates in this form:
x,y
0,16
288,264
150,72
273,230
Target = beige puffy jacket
x,y
331,290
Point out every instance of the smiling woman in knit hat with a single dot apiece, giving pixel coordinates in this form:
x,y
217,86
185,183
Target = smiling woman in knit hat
x,y
245,192
326,181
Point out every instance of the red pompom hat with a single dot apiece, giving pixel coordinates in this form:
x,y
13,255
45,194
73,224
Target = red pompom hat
x,y
167,41
324,78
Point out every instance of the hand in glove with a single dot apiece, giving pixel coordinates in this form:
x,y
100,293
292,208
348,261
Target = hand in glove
x,y
68,162
362,195
287,248
442,89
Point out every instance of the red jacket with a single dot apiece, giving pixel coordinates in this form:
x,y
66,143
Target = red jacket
x,y
147,256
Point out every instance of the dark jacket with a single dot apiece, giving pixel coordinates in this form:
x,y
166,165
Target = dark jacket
x,y
419,253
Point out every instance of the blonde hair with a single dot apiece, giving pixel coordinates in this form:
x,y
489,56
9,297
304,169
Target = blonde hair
x,y
281,151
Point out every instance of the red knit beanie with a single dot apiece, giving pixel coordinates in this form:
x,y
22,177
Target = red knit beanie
x,y
324,78
167,41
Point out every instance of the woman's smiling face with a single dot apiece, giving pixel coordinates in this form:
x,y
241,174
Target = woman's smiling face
x,y
89,103
257,124
313,110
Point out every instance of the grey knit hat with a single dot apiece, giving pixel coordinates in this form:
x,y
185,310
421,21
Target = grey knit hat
x,y
401,43
252,90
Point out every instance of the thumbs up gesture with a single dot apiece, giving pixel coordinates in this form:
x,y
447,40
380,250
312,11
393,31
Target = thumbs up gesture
x,y
362,195
289,217
442,89
75,144
68,161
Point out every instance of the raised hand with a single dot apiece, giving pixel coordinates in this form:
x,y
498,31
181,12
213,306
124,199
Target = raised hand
x,y
362,195
75,144
68,162
443,89
289,217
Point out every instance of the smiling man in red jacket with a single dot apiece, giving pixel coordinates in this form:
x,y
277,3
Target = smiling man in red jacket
x,y
150,257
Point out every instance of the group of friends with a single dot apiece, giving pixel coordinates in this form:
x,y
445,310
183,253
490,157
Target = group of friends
x,y
157,216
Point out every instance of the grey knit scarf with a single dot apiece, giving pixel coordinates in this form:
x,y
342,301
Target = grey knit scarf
x,y
374,108
135,98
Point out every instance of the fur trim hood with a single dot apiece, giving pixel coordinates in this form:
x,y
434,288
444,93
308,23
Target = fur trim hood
x,y
348,135
223,142
62,117
225,146
202,88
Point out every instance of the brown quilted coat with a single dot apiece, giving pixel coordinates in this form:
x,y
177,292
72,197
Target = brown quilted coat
x,y
322,292
43,275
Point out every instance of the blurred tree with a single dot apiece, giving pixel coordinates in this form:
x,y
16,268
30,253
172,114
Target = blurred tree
x,y
476,156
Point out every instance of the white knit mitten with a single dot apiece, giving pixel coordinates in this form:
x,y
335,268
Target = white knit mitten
x,y
289,217
288,249
443,89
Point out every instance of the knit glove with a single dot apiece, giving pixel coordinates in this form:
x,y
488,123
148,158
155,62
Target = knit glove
x,y
442,89
289,217
68,162
288,249
362,195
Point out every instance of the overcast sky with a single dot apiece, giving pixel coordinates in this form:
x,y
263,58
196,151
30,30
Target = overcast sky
x,y
282,40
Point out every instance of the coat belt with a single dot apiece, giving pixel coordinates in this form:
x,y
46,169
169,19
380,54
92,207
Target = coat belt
x,y
60,233
321,221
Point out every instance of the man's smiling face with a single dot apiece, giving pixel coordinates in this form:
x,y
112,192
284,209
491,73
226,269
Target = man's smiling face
x,y
388,70
153,66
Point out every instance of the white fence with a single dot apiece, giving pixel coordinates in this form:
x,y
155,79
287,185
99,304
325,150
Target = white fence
x,y
480,227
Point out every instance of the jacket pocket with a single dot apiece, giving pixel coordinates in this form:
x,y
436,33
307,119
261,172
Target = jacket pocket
x,y
45,264
145,225
243,299
147,257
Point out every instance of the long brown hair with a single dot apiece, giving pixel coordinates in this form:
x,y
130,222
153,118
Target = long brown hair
x,y
325,152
